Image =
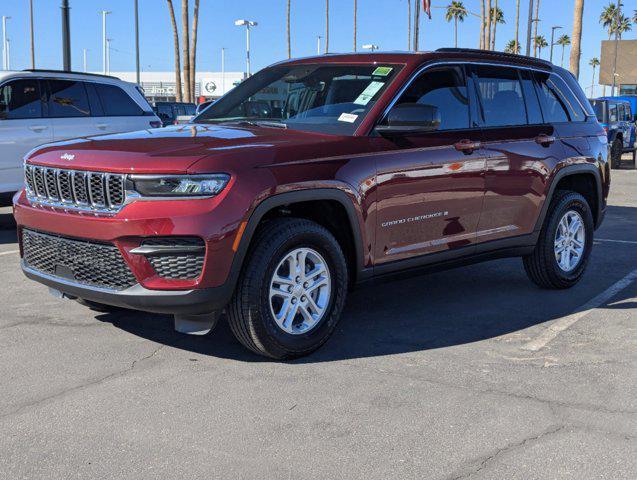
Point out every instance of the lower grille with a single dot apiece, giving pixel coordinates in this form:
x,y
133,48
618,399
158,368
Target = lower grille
x,y
178,265
94,264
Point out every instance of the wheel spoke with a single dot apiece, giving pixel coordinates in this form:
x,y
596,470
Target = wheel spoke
x,y
289,317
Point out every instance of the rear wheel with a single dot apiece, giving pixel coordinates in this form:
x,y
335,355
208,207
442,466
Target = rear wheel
x,y
561,254
616,151
291,291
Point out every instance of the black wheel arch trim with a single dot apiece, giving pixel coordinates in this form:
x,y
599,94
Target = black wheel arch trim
x,y
567,171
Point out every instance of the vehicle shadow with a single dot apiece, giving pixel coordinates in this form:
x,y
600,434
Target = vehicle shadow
x,y
7,227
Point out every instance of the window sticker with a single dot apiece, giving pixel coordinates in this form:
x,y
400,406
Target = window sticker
x,y
382,71
371,90
347,117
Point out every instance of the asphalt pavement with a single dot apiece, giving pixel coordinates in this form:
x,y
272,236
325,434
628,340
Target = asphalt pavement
x,y
469,373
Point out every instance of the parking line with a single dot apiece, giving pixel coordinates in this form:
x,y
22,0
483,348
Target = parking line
x,y
562,324
9,253
632,242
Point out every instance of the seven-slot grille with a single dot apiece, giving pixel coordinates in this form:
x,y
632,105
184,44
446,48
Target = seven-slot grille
x,y
96,264
76,189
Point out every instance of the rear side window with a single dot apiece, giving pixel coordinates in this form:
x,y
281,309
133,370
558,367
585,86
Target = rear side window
x,y
612,112
116,102
558,102
68,98
598,108
501,96
445,89
20,99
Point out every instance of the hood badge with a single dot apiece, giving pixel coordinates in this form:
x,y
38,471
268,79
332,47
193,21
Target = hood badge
x,y
67,156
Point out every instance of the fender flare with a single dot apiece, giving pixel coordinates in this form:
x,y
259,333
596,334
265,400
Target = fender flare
x,y
295,197
568,171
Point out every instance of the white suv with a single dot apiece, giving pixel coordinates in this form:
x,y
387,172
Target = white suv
x,y
40,106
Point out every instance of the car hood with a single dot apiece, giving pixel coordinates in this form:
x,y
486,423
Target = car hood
x,y
175,149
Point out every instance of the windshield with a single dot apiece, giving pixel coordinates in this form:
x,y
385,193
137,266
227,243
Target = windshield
x,y
319,98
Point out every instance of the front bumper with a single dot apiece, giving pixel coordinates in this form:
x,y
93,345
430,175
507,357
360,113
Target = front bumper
x,y
184,302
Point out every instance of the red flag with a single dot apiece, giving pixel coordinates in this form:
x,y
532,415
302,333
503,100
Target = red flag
x,y
426,6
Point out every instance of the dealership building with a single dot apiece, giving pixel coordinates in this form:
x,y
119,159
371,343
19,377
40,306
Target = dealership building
x,y
160,86
626,73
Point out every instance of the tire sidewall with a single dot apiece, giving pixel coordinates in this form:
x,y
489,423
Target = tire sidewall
x,y
576,203
311,340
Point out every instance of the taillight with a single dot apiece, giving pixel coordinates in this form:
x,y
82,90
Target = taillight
x,y
155,124
605,128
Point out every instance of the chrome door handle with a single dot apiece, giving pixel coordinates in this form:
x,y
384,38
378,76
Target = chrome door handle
x,y
37,128
545,140
467,146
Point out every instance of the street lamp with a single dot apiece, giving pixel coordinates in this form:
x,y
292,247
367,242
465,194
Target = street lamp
x,y
318,44
370,46
104,59
552,39
247,24
5,52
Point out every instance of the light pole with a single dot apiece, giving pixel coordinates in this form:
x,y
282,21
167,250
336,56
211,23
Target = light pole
x,y
618,16
370,46
137,70
4,42
247,24
318,44
108,56
104,13
32,34
223,70
8,54
552,39
66,36
84,58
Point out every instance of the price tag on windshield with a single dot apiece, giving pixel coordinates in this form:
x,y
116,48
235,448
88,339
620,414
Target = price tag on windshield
x,y
367,94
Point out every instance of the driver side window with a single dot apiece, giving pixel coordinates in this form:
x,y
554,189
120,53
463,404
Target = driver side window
x,y
444,89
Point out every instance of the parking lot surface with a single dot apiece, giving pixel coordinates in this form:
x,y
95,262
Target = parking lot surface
x,y
469,373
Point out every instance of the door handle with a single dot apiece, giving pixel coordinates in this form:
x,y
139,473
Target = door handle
x,y
467,146
102,126
37,128
545,140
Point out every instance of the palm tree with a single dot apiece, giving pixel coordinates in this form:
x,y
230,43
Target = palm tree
x,y
193,49
497,16
409,24
537,22
355,22
623,25
635,16
576,50
563,41
540,43
517,27
608,18
327,26
482,25
512,47
287,23
487,39
416,25
185,47
171,11
457,12
594,62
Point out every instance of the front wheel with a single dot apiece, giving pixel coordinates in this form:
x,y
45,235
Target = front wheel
x,y
291,291
566,240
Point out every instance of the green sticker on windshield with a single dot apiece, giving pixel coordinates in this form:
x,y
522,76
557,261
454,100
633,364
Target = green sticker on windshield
x,y
382,71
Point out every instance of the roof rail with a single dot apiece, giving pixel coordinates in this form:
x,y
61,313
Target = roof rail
x,y
495,54
40,70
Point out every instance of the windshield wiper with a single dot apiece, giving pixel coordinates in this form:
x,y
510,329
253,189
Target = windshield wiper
x,y
252,123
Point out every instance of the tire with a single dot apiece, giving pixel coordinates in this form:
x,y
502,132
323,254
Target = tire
x,y
251,312
542,265
98,307
616,151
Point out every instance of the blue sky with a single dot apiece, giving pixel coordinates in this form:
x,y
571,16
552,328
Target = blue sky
x,y
383,22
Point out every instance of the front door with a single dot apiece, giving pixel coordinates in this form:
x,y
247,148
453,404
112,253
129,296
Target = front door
x,y
430,185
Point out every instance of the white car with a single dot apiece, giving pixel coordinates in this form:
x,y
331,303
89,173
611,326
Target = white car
x,y
41,106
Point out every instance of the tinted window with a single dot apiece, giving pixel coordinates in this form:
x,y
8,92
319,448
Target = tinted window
x,y
190,109
20,99
93,100
598,108
621,111
68,99
116,102
558,102
501,96
533,110
612,112
444,89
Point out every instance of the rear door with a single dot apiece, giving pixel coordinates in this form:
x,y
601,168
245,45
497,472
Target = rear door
x,y
431,185
69,109
118,112
23,126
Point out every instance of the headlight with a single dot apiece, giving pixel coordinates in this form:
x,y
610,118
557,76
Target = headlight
x,y
179,185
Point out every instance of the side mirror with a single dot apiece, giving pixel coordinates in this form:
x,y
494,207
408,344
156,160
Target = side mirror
x,y
410,118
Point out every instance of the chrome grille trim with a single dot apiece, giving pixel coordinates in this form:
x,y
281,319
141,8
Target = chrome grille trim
x,y
79,190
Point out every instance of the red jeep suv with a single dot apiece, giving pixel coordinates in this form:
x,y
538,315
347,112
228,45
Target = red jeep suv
x,y
315,175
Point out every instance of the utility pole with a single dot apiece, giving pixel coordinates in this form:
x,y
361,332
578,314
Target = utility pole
x,y
66,36
529,27
84,58
223,71
32,34
108,56
4,42
137,70
247,24
618,16
553,40
318,44
104,13
8,54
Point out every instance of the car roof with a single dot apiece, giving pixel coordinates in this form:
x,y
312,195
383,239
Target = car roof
x,y
63,75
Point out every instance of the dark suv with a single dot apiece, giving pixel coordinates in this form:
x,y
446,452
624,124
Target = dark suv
x,y
352,168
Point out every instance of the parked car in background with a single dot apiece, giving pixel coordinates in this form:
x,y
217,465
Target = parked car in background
x,y
618,120
168,112
41,106
203,105
315,175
